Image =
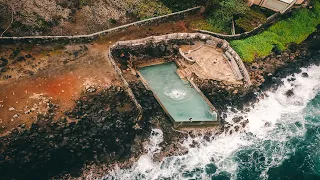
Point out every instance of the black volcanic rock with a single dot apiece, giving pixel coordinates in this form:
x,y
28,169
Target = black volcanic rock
x,y
289,93
50,148
3,62
304,74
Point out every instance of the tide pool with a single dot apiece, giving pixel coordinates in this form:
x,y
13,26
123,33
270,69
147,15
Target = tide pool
x,y
177,96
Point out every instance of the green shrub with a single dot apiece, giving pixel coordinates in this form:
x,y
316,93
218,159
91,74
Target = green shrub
x,y
292,30
223,11
219,12
112,21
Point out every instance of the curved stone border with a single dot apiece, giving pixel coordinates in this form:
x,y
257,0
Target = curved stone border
x,y
185,57
90,37
183,54
230,54
256,30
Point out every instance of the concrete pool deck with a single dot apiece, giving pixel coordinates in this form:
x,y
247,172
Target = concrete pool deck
x,y
209,63
196,56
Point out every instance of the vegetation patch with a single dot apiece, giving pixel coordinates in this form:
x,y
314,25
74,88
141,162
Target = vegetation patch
x,y
219,15
295,29
250,20
222,12
204,24
147,9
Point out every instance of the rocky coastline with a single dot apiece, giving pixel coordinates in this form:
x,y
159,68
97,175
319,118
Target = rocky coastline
x,y
105,130
266,74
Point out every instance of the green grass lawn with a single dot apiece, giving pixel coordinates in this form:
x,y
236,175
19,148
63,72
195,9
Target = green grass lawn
x,y
295,29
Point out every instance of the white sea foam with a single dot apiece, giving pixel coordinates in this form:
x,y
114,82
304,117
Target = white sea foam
x,y
264,143
156,138
175,94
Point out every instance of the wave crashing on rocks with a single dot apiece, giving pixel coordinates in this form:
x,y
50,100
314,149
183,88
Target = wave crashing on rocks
x,y
277,129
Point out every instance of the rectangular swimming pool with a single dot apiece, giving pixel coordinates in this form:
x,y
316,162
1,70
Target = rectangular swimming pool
x,y
179,98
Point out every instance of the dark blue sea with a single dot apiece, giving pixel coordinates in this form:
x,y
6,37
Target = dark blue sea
x,y
281,141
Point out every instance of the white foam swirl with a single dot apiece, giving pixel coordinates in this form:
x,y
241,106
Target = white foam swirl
x,y
264,143
175,94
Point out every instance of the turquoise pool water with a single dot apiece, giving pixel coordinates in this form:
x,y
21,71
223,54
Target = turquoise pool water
x,y
178,96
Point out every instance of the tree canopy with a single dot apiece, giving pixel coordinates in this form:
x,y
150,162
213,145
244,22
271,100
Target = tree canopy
x,y
221,12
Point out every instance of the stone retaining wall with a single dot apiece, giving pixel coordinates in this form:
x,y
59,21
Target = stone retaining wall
x,y
145,42
229,53
234,67
93,36
126,85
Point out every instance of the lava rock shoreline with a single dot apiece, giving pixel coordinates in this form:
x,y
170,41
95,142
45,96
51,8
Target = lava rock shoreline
x,y
266,74
106,129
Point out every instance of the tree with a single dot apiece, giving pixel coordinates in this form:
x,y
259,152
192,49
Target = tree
x,y
223,11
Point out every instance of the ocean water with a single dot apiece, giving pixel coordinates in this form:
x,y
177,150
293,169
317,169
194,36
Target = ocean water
x,y
281,141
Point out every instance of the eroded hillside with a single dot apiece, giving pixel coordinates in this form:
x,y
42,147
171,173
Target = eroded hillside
x,y
69,17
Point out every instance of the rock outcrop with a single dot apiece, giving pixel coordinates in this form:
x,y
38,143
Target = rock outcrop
x,y
103,129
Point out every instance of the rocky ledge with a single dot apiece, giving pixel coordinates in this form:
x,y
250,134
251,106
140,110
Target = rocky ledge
x,y
265,73
102,129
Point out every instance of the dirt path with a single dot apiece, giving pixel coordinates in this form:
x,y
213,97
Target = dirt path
x,y
60,80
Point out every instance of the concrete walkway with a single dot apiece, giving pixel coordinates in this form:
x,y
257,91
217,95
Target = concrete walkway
x,y
210,63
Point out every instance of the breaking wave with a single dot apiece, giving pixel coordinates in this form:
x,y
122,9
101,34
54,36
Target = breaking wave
x,y
276,131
